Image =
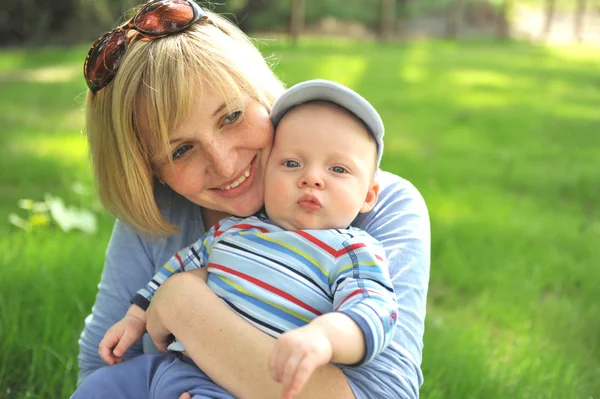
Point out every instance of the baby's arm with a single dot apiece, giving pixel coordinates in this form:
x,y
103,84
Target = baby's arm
x,y
360,328
132,327
332,337
122,335
363,291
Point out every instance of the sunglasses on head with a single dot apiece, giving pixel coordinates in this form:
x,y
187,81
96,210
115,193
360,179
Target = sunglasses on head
x,y
156,19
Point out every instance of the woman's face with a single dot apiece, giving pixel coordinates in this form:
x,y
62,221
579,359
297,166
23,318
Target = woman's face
x,y
219,155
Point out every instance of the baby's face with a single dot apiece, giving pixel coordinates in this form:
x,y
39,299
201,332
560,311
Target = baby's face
x,y
320,171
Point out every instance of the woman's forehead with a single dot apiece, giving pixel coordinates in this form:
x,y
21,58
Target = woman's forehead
x,y
214,94
209,97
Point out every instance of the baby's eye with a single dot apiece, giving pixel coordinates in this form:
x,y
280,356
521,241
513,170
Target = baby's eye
x,y
232,117
338,169
291,164
180,152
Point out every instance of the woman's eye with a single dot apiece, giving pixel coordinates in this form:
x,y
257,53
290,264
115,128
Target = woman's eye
x,y
180,152
338,169
232,117
291,164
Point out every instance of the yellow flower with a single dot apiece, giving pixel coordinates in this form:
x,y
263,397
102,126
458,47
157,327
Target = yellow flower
x,y
38,220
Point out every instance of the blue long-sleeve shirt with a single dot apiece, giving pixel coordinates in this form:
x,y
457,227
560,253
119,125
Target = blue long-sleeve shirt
x,y
399,222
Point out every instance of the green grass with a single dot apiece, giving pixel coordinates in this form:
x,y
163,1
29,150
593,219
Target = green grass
x,y
503,141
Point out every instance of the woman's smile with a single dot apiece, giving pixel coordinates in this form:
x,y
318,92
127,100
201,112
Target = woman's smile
x,y
239,185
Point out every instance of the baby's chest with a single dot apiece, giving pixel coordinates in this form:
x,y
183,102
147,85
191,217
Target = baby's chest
x,y
303,274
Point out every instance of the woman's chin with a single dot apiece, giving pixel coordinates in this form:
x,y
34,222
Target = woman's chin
x,y
245,209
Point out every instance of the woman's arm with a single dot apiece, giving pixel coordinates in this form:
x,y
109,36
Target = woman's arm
x,y
230,350
400,222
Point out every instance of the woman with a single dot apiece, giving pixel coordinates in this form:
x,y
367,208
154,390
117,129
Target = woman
x,y
179,132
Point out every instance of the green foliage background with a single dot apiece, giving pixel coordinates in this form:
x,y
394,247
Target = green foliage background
x,y
501,139
27,22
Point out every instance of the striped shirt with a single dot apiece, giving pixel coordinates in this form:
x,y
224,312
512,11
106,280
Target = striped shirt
x,y
279,280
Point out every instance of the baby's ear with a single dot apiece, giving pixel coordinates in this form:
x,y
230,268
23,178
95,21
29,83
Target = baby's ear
x,y
371,197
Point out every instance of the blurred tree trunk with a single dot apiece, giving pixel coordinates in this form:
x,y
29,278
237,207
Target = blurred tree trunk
x,y
578,23
548,18
504,18
96,12
387,19
454,18
403,16
247,13
297,19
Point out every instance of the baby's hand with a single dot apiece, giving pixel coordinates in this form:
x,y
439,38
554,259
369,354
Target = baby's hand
x,y
296,355
120,337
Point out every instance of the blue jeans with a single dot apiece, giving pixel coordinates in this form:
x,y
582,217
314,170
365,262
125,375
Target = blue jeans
x,y
164,376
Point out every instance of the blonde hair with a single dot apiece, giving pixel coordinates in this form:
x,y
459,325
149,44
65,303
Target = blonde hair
x,y
159,80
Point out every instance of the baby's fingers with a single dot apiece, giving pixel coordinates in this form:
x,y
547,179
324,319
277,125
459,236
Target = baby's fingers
x,y
106,355
289,370
125,342
105,348
303,370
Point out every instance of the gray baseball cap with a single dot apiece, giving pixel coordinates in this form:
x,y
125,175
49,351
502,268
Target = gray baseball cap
x,y
326,90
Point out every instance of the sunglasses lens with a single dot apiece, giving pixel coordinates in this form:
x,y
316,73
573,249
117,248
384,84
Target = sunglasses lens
x,y
105,58
165,16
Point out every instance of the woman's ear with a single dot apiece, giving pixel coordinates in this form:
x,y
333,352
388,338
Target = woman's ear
x,y
371,197
157,177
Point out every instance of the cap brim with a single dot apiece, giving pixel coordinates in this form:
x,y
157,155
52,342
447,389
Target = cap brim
x,y
325,90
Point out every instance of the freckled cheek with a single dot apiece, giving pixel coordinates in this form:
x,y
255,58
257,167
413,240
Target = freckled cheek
x,y
186,181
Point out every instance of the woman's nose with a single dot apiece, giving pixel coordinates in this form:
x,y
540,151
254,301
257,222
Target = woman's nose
x,y
221,158
311,178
